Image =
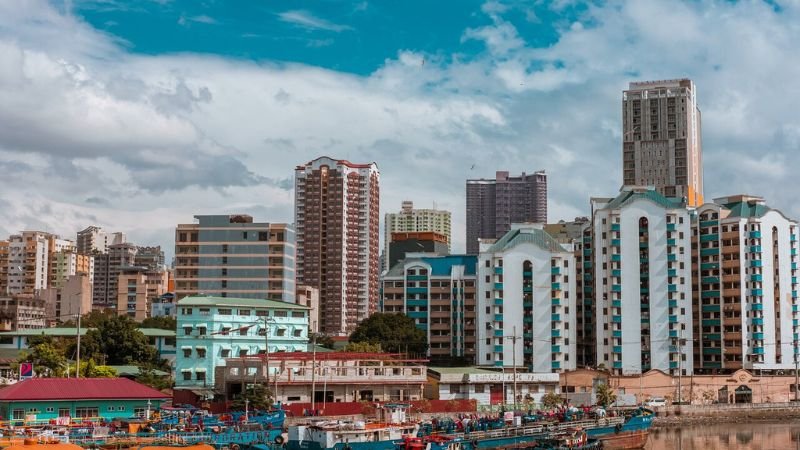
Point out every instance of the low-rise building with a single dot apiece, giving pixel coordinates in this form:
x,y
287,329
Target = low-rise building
x,y
43,399
331,376
22,312
489,387
213,329
71,298
164,306
309,296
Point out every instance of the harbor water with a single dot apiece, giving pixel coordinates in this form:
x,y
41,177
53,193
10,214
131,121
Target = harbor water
x,y
729,436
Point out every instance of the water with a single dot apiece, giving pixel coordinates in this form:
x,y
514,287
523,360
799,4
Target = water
x,y
733,436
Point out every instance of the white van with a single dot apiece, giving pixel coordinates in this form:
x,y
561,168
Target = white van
x,y
656,402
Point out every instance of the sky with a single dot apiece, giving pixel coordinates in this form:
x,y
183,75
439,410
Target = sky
x,y
138,115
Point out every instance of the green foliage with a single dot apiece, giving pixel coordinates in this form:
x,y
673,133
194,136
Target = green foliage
x,y
551,400
118,341
47,357
90,369
256,396
147,375
396,333
162,322
322,340
89,320
362,347
605,395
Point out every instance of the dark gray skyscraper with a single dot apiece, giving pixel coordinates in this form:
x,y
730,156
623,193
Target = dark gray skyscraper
x,y
493,205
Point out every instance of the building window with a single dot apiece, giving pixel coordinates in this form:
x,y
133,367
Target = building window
x,y
479,388
120,408
225,353
262,313
242,353
110,409
298,333
280,332
139,412
18,414
244,235
225,311
187,353
87,411
187,375
298,314
281,313
201,376
205,311
201,331
49,409
187,331
64,412
201,353
244,312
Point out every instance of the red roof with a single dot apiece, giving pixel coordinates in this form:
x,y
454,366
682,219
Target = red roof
x,y
78,389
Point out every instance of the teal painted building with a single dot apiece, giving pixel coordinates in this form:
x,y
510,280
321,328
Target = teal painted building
x,y
44,399
212,329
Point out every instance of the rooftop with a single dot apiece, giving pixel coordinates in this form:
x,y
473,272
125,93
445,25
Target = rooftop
x,y
532,234
150,332
440,265
50,389
203,300
628,195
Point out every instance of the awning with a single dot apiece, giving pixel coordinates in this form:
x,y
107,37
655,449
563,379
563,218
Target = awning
x,y
201,325
200,347
199,369
186,370
186,347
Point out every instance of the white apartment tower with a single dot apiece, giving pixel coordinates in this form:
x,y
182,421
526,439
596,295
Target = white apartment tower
x,y
28,264
94,239
661,139
526,302
746,289
643,282
410,220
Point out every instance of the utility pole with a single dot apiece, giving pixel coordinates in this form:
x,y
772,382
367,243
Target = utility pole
x,y
313,373
514,361
266,350
78,352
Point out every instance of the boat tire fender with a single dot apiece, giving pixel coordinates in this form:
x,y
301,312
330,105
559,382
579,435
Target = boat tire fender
x,y
235,447
279,440
474,444
618,428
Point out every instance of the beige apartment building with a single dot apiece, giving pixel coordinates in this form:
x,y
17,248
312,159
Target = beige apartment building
x,y
410,220
28,268
232,256
661,138
3,267
138,288
72,298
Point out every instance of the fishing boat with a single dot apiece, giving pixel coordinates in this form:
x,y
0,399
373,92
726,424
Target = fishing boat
x,y
516,438
355,435
627,432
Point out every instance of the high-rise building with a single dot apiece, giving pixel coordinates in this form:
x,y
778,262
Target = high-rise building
x,y
71,298
661,139
138,288
493,205
578,234
410,220
28,267
526,301
745,286
416,242
3,267
642,282
232,256
106,273
337,214
93,240
439,293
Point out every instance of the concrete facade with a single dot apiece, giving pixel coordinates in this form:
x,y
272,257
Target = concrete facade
x,y
439,293
526,293
72,298
410,220
93,239
493,205
232,256
416,242
489,387
138,288
661,138
745,296
642,282
212,329
337,214
28,267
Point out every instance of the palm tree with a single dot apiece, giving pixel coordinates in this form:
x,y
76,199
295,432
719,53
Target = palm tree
x,y
605,395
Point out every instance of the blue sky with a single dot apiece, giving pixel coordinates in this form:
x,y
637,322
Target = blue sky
x,y
135,116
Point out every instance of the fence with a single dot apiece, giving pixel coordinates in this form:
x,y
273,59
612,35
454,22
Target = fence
x,y
368,408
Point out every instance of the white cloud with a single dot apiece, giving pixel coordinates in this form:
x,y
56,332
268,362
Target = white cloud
x,y
92,134
309,21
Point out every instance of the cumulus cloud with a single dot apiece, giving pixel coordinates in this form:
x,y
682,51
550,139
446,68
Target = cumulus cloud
x,y
90,133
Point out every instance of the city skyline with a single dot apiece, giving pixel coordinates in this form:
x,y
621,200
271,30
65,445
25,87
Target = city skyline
x,y
499,87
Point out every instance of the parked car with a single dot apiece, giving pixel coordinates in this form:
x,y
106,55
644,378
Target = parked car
x,y
656,402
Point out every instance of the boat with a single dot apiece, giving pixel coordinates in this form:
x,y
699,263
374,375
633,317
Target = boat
x,y
630,433
355,435
512,438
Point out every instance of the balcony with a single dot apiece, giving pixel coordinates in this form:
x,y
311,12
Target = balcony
x,y
712,351
498,333
616,257
711,308
709,251
616,288
671,242
555,301
756,277
417,290
555,365
673,303
673,319
417,277
615,227
709,323
709,279
616,243
498,317
555,286
755,235
672,272
498,270
498,348
758,350
710,294
498,302
671,227
616,303
616,273
709,237
672,288
756,307
616,349
709,223
616,319
672,257
555,270
755,249
758,321
555,333
709,266
555,317
757,292
498,286
555,349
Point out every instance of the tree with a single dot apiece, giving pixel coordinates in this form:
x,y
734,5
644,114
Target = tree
x,y
605,395
162,322
551,400
47,358
89,320
147,375
255,396
118,341
362,347
90,369
322,340
396,333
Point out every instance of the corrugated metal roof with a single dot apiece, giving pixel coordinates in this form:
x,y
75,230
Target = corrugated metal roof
x,y
746,210
626,197
151,332
202,300
536,236
44,389
441,266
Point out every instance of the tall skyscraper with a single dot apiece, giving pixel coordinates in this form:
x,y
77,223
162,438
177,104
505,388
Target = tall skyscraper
x,y
661,143
410,220
232,256
93,240
493,205
337,214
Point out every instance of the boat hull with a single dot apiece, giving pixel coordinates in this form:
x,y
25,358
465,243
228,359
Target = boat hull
x,y
625,440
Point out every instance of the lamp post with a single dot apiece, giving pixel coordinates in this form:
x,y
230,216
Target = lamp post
x,y
796,398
